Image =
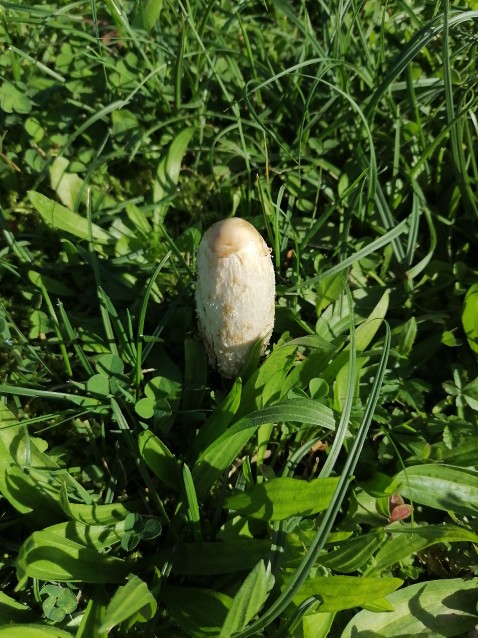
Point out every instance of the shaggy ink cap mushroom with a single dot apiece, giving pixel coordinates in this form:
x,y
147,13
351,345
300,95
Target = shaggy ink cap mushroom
x,y
230,236
235,293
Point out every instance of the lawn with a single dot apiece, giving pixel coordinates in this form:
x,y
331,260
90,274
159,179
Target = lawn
x,y
331,487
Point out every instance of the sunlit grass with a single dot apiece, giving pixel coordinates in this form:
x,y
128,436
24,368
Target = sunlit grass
x,y
347,135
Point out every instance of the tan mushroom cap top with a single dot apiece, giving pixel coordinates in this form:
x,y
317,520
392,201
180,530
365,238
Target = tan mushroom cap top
x,y
230,236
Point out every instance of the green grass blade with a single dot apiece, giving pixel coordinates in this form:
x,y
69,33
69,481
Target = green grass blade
x,y
127,346
343,425
192,501
82,358
360,254
420,40
142,317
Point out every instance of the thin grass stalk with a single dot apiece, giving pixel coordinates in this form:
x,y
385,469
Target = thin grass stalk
x,y
82,358
142,318
423,263
414,226
342,428
416,44
127,347
360,254
56,326
108,328
456,135
179,67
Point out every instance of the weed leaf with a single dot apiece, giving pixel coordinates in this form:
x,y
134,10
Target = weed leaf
x,y
281,498
438,607
63,219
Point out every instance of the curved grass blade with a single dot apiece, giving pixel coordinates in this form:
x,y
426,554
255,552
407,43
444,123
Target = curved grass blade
x,y
222,452
360,254
85,402
416,44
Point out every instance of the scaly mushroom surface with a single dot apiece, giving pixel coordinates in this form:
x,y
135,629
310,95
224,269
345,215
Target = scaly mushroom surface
x,y
235,293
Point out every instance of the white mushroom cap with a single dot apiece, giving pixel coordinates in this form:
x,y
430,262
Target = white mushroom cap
x,y
235,293
231,236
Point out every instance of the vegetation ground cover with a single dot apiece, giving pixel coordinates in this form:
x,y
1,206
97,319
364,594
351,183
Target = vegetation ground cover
x,y
332,488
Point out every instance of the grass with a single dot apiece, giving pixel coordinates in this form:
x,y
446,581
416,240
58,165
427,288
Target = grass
x,y
332,489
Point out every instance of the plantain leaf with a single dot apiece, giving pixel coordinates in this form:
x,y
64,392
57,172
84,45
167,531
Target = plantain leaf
x,y
97,514
96,537
133,599
463,454
199,612
352,554
93,615
24,473
207,558
436,608
345,592
151,11
160,460
33,631
281,498
52,556
281,358
469,317
317,625
62,218
12,611
405,542
442,487
247,602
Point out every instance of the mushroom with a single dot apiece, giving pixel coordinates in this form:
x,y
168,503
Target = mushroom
x,y
235,293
